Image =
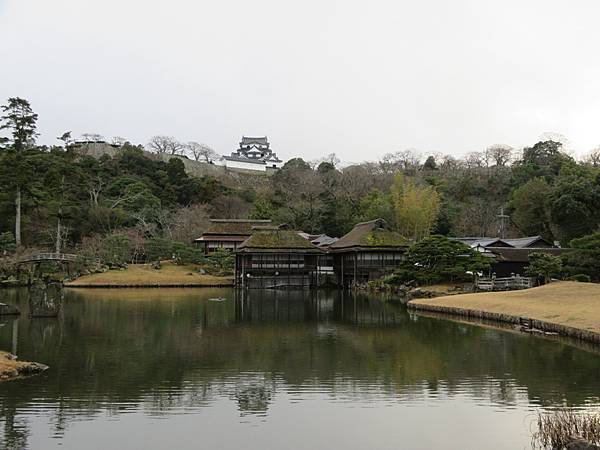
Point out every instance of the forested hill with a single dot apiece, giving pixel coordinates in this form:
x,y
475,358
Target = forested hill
x,y
64,196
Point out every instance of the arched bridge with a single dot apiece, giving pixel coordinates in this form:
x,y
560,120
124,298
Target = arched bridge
x,y
39,257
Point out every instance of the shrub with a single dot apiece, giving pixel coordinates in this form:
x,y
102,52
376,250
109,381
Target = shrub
x,y
543,265
437,258
222,261
581,277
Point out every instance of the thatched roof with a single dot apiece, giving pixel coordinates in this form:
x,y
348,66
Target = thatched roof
x,y
242,227
273,241
370,236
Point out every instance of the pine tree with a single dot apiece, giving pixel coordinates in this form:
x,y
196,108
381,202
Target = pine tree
x,y
20,120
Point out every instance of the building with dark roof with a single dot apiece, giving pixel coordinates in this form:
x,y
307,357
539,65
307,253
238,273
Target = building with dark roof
x,y
254,153
277,258
523,242
228,234
511,260
367,252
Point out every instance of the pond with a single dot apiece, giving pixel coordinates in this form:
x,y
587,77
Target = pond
x,y
218,368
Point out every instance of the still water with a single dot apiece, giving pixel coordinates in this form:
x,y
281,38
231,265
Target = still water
x,y
157,369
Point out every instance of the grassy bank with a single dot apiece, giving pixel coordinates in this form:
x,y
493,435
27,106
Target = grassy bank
x,y
143,275
11,369
568,308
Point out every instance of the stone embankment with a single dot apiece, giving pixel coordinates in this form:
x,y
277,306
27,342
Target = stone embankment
x,y
565,308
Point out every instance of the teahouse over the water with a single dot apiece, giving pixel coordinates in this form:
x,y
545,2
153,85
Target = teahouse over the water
x,y
277,258
254,153
368,251
228,234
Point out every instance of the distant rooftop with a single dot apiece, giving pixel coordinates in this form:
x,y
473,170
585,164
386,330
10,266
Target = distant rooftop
x,y
523,242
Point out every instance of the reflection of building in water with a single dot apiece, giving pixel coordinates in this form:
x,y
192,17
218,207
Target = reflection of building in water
x,y
281,306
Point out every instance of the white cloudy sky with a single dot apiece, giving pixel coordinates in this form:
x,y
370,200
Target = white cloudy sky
x,y
359,78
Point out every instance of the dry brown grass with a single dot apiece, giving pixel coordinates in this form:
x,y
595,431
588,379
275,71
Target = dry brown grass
x,y
561,428
10,368
144,275
565,303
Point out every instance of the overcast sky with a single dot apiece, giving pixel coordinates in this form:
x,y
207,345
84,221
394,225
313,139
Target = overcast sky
x,y
358,78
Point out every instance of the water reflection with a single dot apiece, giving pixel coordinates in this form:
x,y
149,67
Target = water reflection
x,y
170,353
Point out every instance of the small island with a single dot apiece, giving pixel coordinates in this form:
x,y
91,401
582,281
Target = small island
x,y
11,368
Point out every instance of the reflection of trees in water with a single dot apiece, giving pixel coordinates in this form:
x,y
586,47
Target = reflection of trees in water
x,y
254,395
158,352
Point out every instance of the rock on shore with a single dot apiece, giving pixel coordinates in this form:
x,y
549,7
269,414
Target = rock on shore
x,y
11,369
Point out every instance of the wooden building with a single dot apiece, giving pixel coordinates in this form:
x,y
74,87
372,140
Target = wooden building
x,y
277,258
514,261
228,234
367,252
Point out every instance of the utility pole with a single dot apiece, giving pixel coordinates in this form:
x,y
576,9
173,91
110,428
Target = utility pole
x,y
502,217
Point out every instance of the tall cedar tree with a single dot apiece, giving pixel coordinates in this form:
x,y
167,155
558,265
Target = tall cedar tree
x,y
20,120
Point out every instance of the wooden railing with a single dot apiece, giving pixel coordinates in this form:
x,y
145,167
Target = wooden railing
x,y
503,284
50,257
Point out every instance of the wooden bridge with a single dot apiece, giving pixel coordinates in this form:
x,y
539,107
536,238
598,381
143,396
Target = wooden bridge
x,y
41,257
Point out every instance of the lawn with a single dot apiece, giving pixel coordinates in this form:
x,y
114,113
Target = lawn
x,y
144,275
565,303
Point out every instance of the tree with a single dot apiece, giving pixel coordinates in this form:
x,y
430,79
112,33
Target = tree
x,y
574,203
530,211
437,258
201,151
92,137
583,256
500,154
7,243
430,163
376,205
118,140
20,120
165,145
416,207
593,157
543,265
189,223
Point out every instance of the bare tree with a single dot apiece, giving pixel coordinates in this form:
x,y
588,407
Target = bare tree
x,y
189,223
405,160
92,137
166,145
593,157
475,160
201,152
500,154
118,140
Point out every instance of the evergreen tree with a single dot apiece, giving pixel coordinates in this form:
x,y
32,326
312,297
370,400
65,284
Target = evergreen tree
x,y
20,120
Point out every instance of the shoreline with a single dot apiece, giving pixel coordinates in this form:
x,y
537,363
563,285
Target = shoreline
x,y
526,309
145,285
169,275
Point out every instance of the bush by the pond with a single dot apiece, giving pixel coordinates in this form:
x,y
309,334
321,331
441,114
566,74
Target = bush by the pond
x,y
581,277
560,429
